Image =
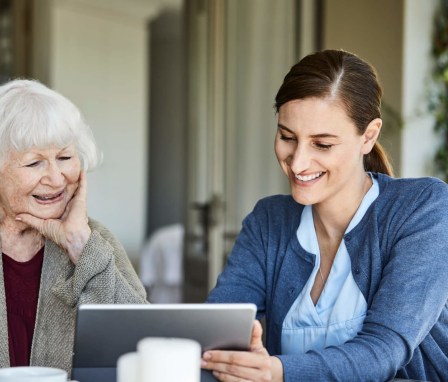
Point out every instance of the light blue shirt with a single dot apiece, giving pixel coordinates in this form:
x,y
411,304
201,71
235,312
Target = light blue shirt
x,y
341,308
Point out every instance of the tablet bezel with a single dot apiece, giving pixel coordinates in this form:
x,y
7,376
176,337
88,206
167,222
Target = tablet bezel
x,y
106,331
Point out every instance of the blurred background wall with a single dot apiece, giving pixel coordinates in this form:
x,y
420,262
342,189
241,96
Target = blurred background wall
x,y
179,94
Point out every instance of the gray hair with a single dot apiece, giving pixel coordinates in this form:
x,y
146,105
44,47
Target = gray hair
x,y
32,115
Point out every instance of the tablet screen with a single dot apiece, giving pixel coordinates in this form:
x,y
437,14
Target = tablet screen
x,y
105,332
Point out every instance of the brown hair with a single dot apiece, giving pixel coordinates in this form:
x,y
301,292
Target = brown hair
x,y
343,76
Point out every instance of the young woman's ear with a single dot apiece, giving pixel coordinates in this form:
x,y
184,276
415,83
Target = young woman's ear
x,y
371,135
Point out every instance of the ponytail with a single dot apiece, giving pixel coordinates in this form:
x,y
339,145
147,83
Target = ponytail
x,y
377,161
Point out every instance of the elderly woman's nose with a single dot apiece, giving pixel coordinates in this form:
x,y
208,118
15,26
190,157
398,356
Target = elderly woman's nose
x,y
53,175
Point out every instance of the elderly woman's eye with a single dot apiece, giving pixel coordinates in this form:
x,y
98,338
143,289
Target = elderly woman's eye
x,y
33,164
65,157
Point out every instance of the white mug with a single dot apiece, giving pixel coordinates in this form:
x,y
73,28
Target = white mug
x,y
32,374
128,367
169,359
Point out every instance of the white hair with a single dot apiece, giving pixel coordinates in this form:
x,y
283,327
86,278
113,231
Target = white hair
x,y
32,115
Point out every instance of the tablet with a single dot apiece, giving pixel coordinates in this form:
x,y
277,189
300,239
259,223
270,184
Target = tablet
x,y
104,332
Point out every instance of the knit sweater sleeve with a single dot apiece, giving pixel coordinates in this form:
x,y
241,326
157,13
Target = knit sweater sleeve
x,y
103,275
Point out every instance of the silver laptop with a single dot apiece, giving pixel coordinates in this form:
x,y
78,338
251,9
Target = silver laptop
x,y
105,332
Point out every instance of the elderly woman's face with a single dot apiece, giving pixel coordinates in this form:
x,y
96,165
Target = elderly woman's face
x,y
39,182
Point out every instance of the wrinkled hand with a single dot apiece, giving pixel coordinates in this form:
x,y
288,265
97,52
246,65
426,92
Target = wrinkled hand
x,y
2,214
71,231
255,365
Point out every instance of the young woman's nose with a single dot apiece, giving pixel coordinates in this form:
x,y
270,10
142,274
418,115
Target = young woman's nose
x,y
300,160
53,175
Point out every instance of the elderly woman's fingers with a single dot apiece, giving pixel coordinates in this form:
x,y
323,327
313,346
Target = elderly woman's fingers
x,y
49,228
77,207
72,239
81,192
80,195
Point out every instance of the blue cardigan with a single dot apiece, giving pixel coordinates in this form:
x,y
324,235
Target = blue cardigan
x,y
399,256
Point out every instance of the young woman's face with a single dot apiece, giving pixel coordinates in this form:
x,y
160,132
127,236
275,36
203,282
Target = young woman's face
x,y
320,150
39,182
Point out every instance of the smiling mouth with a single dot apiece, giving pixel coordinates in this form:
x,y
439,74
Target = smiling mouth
x,y
48,198
310,177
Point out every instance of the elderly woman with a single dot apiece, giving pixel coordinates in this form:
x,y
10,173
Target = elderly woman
x,y
53,256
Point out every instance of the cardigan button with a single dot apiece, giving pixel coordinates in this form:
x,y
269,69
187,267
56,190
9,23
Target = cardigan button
x,y
291,291
347,237
357,270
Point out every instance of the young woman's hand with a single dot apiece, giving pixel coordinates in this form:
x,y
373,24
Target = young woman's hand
x,y
71,231
255,365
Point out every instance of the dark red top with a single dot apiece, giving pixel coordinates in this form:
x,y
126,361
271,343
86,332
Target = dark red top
x,y
22,281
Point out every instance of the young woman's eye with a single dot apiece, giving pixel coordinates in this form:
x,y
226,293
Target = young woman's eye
x,y
323,146
286,137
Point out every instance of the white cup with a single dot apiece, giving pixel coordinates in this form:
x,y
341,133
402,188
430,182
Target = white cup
x,y
169,359
128,367
32,374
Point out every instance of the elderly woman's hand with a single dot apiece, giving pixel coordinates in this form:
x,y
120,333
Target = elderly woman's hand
x,y
255,365
71,231
2,214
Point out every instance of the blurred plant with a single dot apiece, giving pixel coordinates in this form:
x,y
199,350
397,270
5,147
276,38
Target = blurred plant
x,y
438,102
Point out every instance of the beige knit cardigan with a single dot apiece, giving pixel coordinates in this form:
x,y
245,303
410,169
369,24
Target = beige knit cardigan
x,y
103,275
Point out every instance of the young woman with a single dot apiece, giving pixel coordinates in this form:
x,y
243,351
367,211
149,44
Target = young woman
x,y
350,270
